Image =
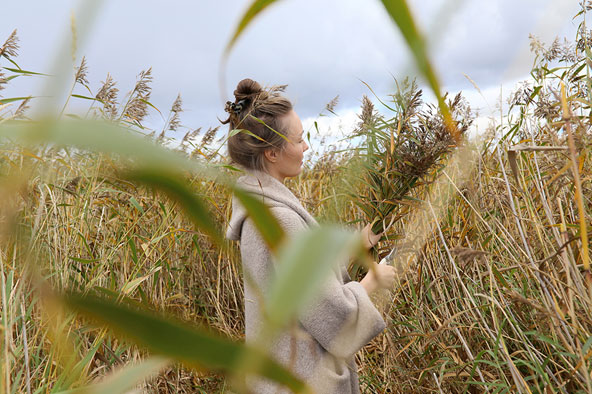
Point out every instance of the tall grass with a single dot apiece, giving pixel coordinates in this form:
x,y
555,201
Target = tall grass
x,y
497,298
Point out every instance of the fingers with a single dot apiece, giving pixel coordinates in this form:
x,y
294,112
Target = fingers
x,y
368,237
374,238
385,276
379,277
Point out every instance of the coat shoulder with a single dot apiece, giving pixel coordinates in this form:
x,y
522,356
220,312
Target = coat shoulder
x,y
288,219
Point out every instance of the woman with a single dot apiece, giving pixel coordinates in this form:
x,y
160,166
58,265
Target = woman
x,y
342,319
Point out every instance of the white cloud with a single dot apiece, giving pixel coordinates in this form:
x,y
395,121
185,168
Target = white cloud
x,y
338,126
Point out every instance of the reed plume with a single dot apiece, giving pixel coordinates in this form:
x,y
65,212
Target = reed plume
x,y
274,89
173,121
208,137
367,116
107,95
191,134
330,107
22,108
81,72
3,80
10,47
137,106
176,109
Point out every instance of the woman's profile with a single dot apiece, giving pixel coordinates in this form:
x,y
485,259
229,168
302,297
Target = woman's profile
x,y
342,319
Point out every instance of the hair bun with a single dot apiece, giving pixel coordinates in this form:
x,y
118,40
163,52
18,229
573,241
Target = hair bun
x,y
246,89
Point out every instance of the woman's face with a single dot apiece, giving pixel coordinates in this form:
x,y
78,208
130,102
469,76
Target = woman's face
x,y
287,162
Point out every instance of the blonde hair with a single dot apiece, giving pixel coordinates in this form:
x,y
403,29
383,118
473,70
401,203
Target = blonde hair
x,y
261,112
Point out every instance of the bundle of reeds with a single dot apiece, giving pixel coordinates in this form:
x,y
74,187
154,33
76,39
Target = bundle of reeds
x,y
402,152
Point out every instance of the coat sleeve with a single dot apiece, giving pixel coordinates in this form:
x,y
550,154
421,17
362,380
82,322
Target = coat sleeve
x,y
342,318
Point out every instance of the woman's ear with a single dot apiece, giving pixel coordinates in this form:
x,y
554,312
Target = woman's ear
x,y
271,155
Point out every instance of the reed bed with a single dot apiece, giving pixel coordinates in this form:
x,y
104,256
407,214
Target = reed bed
x,y
498,299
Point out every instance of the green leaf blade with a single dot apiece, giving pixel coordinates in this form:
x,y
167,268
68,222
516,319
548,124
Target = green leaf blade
x,y
254,9
192,346
176,189
264,221
303,265
401,15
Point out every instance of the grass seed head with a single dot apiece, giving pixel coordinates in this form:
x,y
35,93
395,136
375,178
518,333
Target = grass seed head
x,y
585,39
10,47
81,72
3,80
20,111
108,96
142,87
367,116
208,137
195,133
137,108
174,122
330,107
276,89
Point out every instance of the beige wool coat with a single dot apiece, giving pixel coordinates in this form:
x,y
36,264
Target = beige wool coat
x,y
340,321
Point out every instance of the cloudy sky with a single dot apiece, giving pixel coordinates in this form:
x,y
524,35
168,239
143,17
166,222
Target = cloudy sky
x,y
320,48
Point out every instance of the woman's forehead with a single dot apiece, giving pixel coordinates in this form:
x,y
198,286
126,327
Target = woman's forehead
x,y
293,123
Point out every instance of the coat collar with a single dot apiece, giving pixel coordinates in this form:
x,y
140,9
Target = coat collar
x,y
272,192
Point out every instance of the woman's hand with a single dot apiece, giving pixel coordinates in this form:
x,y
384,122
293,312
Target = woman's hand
x,y
379,276
369,239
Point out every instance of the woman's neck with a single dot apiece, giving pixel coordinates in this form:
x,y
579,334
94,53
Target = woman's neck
x,y
275,174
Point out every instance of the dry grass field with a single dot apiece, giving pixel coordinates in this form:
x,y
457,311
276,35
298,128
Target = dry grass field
x,y
497,298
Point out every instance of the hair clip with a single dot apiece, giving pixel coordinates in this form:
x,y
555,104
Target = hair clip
x,y
236,108
239,106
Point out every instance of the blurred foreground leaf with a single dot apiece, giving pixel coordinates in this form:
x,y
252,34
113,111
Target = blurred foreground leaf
x,y
303,266
254,9
401,15
124,379
105,137
262,217
192,346
178,190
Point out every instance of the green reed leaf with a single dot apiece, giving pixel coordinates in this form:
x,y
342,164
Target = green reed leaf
x,y
12,99
151,105
25,72
254,9
192,346
264,221
176,189
270,128
124,379
236,131
105,137
302,266
401,15
85,97
67,379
